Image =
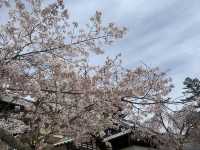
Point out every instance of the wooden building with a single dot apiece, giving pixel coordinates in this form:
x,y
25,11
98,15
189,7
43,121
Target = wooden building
x,y
128,139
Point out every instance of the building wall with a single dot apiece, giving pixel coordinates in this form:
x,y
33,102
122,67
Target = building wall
x,y
191,146
3,146
137,148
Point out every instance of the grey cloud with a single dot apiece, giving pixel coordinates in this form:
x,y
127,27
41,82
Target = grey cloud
x,y
165,36
162,33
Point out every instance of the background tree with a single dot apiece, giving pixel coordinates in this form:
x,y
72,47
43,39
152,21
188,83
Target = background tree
x,y
176,128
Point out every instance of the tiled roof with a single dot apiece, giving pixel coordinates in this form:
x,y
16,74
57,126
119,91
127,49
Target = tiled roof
x,y
13,126
14,100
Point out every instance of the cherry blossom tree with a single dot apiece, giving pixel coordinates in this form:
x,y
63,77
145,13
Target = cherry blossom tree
x,y
44,61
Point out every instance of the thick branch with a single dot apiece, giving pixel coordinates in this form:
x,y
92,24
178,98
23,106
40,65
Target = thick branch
x,y
72,92
150,103
59,47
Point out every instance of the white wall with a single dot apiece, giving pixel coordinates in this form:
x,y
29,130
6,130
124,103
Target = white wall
x,y
137,148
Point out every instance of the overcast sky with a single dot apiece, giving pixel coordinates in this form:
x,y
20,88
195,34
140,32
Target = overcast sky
x,y
163,33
